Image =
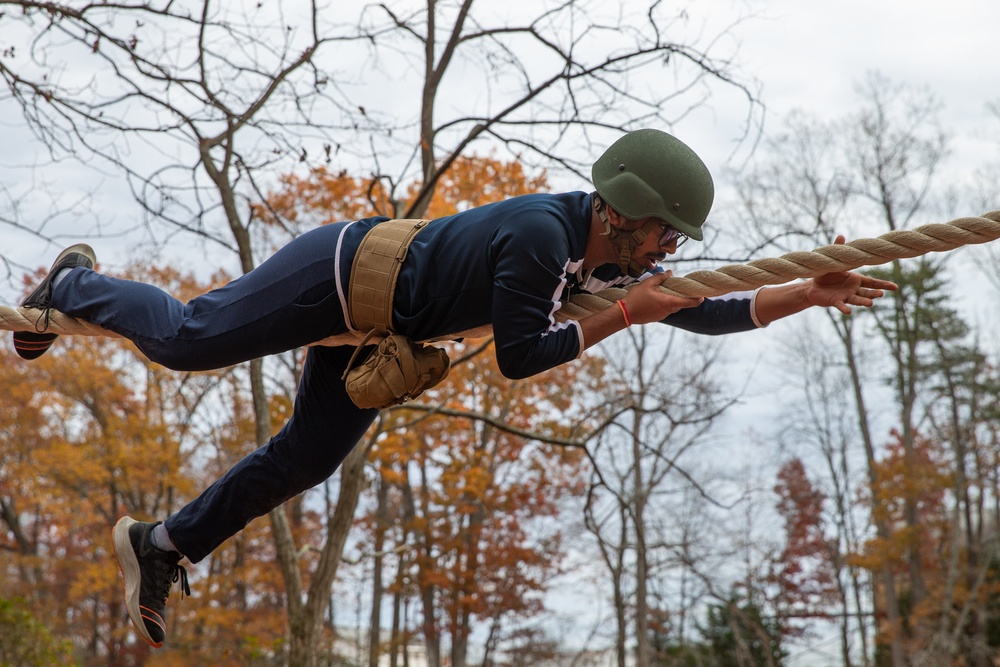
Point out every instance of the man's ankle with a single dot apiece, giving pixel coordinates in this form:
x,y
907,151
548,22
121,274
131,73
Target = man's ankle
x,y
161,539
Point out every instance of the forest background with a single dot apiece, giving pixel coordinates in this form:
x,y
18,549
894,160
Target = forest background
x,y
821,493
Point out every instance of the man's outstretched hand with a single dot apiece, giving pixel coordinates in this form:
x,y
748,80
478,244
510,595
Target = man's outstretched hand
x,y
843,289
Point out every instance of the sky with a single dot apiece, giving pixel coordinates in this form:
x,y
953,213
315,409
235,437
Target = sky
x,y
811,55
805,55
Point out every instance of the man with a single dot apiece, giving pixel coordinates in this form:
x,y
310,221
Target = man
x,y
506,264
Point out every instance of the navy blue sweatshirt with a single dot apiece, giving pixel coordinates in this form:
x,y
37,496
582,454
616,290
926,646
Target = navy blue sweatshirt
x,y
510,264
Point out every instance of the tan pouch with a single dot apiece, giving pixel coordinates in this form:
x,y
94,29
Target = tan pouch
x,y
396,371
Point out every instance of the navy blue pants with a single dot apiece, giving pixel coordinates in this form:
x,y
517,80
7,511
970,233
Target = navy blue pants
x,y
288,301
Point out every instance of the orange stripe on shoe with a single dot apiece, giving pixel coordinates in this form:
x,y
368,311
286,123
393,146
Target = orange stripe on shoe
x,y
158,620
29,345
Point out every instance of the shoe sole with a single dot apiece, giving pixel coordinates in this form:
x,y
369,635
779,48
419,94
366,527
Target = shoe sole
x,y
79,249
132,576
30,345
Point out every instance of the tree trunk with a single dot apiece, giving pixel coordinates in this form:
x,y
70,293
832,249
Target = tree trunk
x,y
431,637
306,620
885,576
429,629
375,624
641,601
621,635
396,638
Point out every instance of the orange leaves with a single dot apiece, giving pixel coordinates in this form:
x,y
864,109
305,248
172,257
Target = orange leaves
x,y
916,541
475,181
469,498
919,477
89,432
323,196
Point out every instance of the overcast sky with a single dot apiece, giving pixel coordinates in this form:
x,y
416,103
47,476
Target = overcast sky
x,y
805,55
810,55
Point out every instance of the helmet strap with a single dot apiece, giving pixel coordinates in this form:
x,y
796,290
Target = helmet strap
x,y
625,241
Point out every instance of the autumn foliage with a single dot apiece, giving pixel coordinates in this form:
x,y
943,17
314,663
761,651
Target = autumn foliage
x,y
323,196
467,507
93,431
802,572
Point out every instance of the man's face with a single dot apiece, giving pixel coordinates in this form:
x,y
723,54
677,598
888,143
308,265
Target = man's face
x,y
651,251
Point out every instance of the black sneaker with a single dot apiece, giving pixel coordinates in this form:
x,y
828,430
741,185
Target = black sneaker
x,y
33,344
148,573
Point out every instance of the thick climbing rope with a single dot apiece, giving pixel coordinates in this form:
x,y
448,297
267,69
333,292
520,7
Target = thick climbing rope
x,y
900,244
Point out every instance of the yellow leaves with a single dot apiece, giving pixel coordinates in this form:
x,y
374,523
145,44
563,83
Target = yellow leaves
x,y
280,410
89,577
90,432
877,553
916,542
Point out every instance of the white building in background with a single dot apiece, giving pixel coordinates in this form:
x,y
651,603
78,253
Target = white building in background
x,y
350,649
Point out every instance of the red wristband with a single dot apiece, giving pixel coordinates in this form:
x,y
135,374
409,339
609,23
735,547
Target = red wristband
x,y
628,320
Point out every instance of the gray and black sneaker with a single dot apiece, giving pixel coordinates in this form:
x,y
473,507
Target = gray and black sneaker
x,y
148,573
33,344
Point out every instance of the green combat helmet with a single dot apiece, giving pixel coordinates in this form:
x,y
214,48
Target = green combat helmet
x,y
649,173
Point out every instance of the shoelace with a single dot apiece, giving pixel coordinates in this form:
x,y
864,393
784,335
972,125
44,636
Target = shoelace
x,y
182,574
173,572
45,305
44,319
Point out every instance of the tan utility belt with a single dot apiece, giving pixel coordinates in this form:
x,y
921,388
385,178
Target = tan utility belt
x,y
374,272
398,369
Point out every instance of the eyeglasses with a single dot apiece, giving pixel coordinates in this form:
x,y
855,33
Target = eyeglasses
x,y
669,235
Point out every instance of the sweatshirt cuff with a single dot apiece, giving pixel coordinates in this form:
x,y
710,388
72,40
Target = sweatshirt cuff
x,y
753,309
579,336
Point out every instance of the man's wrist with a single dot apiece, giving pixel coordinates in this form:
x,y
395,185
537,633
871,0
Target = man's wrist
x,y
774,303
